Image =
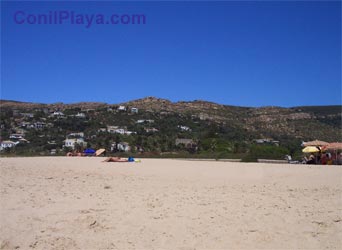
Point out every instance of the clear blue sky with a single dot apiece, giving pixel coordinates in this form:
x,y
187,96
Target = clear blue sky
x,y
236,53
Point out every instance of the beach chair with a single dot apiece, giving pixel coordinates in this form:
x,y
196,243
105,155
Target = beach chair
x,y
289,159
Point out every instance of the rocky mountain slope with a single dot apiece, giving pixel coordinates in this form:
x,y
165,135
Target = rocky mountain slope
x,y
300,122
321,122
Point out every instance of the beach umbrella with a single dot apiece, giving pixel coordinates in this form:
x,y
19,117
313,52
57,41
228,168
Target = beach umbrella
x,y
311,149
315,143
333,146
89,151
100,151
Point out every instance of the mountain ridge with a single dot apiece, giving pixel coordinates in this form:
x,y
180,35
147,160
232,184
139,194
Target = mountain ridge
x,y
6,102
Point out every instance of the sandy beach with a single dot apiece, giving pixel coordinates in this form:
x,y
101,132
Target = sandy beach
x,y
83,203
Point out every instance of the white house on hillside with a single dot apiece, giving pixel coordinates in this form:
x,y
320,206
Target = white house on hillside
x,y
143,121
121,108
16,136
149,130
117,130
121,146
111,129
134,110
184,128
72,142
57,113
79,134
80,115
7,144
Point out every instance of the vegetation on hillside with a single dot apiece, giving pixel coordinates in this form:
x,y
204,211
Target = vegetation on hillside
x,y
216,131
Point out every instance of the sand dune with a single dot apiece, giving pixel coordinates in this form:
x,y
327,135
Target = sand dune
x,y
83,203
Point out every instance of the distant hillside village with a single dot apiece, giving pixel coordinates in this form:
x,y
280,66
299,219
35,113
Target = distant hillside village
x,y
39,122
42,129
130,129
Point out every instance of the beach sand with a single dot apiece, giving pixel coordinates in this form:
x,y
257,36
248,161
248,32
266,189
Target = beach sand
x,y
83,203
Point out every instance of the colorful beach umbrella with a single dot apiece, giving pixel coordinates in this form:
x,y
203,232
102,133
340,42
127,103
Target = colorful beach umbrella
x,y
315,143
100,151
311,149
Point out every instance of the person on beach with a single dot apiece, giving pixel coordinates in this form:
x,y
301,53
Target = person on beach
x,y
324,159
311,159
115,159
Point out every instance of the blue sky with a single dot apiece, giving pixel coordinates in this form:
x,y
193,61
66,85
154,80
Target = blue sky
x,y
235,53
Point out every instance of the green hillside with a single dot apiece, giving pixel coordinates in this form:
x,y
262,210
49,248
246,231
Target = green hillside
x,y
212,130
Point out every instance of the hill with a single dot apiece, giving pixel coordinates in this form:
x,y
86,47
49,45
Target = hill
x,y
152,125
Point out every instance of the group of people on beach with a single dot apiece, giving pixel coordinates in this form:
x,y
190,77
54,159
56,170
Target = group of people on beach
x,y
323,159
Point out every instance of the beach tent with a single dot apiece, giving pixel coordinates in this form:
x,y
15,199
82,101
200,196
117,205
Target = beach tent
x,y
333,146
315,143
100,151
311,149
89,151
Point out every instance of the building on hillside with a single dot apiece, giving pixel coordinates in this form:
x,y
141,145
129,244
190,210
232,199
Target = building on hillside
x,y
39,125
75,141
122,108
203,116
151,130
143,121
267,141
76,135
102,130
7,144
189,143
80,115
118,130
134,110
57,113
121,146
16,136
184,128
112,129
